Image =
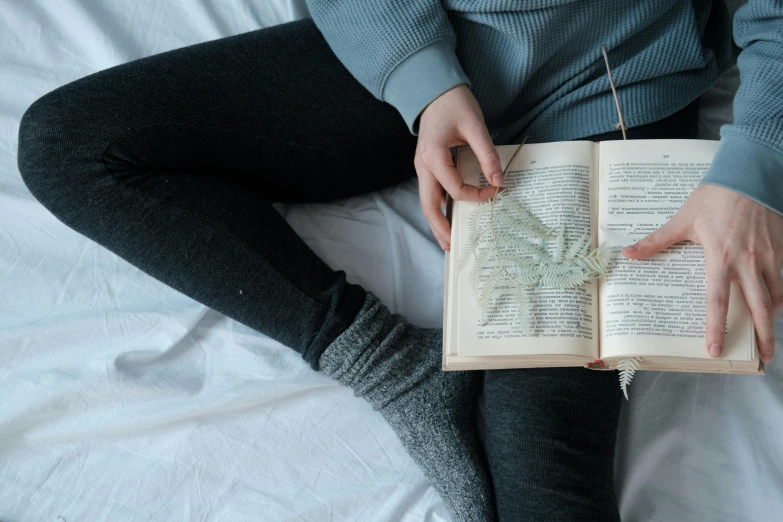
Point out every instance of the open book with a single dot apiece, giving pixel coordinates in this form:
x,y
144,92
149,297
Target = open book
x,y
618,191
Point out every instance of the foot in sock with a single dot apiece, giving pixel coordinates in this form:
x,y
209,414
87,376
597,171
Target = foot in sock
x,y
397,368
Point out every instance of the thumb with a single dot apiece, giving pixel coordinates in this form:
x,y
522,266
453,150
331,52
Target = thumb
x,y
477,136
670,233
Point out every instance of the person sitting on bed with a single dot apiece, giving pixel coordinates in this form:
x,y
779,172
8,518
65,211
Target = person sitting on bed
x,y
172,162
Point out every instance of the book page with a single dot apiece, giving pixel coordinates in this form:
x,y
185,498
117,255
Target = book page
x,y
556,181
657,306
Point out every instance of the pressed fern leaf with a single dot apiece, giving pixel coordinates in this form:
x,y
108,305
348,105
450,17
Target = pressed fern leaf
x,y
558,269
517,253
475,231
560,245
486,292
510,240
526,220
576,247
585,250
512,227
483,262
568,280
524,271
627,368
522,301
596,265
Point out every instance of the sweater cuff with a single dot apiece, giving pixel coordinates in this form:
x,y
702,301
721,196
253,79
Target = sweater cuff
x,y
750,168
422,77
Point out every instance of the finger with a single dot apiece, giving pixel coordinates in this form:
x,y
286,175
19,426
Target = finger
x,y
430,193
762,309
774,280
441,165
718,291
477,136
671,232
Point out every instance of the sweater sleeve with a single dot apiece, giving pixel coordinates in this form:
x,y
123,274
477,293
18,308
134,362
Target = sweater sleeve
x,y
749,159
402,52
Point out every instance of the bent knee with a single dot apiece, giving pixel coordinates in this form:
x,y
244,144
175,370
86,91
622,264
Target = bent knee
x,y
31,149
59,147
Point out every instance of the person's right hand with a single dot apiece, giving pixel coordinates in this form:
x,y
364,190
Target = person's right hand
x,y
453,118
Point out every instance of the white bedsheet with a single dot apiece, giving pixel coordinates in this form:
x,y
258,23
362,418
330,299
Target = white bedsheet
x,y
123,400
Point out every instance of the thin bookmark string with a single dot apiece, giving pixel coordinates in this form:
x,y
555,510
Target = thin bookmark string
x,y
621,124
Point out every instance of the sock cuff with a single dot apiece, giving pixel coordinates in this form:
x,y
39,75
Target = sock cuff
x,y
345,351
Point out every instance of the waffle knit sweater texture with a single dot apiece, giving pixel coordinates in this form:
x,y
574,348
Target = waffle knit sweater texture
x,y
536,69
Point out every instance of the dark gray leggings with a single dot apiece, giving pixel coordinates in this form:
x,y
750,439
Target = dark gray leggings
x,y
172,163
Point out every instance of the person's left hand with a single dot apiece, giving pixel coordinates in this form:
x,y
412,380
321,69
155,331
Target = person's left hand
x,y
743,242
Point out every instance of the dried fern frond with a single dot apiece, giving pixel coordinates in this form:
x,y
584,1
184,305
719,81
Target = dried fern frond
x,y
558,269
596,261
483,262
585,250
567,280
510,240
523,254
520,257
524,309
474,234
485,300
627,368
560,246
523,217
575,250
524,271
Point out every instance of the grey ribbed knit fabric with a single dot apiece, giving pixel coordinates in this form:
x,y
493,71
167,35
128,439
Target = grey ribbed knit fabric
x,y
536,68
397,368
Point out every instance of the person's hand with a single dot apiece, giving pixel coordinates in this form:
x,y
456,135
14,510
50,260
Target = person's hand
x,y
454,118
743,242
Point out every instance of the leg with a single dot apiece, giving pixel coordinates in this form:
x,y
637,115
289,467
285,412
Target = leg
x,y
550,433
172,163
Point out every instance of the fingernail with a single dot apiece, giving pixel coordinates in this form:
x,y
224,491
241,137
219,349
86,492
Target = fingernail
x,y
442,244
497,180
630,248
714,350
766,359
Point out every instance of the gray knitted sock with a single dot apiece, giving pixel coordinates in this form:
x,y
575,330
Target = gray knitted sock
x,y
397,368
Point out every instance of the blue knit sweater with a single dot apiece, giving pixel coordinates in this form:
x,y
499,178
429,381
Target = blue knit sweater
x,y
535,67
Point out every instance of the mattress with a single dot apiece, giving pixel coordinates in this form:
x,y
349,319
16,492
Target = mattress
x,y
123,400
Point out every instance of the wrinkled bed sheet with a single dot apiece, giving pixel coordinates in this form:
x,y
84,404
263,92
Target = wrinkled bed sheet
x,y
123,400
